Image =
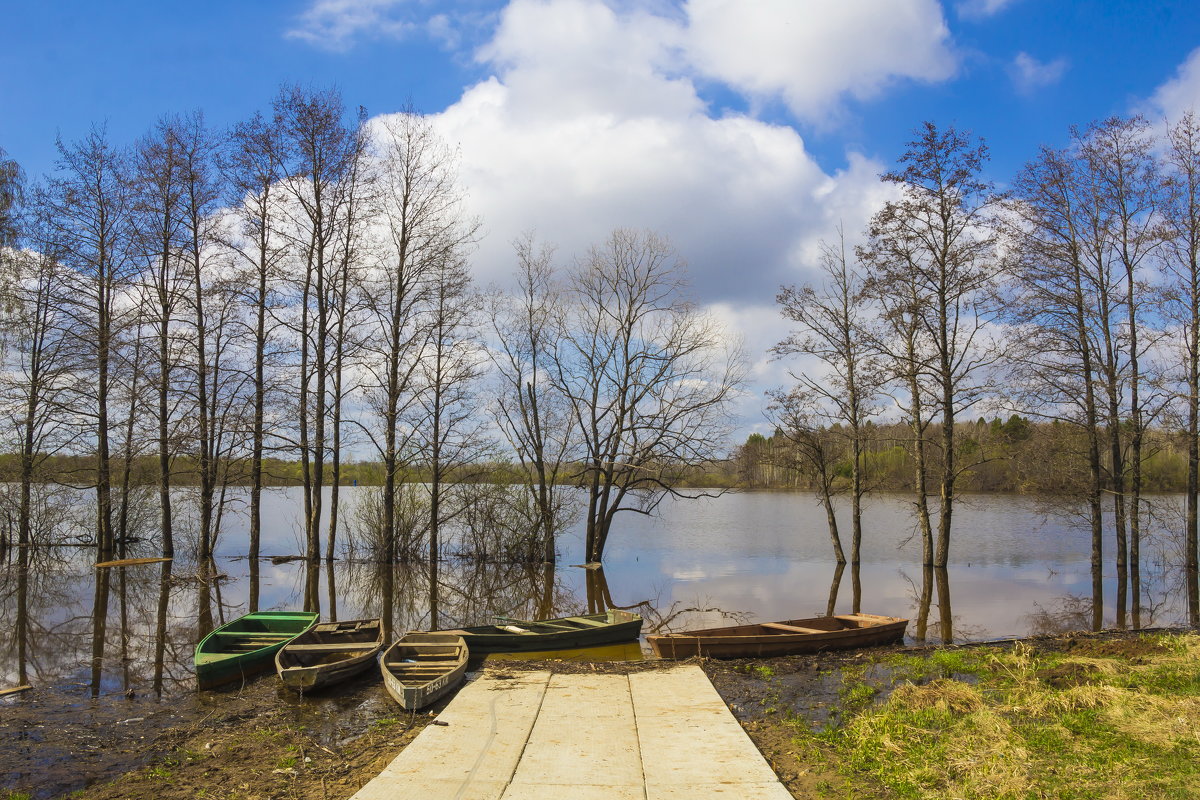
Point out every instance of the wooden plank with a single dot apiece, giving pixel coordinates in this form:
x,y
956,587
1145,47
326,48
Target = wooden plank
x,y
779,626
586,621
429,644
330,648
129,562
14,690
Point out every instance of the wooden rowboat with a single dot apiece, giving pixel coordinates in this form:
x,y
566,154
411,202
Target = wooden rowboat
x,y
790,637
246,646
422,667
328,653
519,636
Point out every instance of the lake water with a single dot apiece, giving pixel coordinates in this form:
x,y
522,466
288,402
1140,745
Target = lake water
x,y
1018,566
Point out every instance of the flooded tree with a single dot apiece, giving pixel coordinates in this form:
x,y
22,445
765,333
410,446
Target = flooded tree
x,y
1054,305
450,435
87,208
423,225
934,249
1125,193
834,320
1183,261
249,167
531,412
648,377
158,218
319,154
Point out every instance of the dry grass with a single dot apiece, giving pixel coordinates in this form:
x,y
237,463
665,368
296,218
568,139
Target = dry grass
x,y
1035,725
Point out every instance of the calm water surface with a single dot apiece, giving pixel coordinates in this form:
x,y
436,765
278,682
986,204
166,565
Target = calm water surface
x,y
1018,566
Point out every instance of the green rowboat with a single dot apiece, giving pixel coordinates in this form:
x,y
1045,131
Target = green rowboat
x,y
246,646
562,633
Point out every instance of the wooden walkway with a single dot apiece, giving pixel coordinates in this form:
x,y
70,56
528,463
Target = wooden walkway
x,y
656,735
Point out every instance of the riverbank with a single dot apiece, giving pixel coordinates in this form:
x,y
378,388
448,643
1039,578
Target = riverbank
x,y
1114,714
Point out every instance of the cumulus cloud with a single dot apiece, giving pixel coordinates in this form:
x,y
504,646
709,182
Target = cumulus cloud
x,y
1028,74
981,9
590,122
338,24
1181,93
811,53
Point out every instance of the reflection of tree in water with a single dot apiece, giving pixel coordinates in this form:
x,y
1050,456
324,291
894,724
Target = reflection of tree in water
x,y
1070,613
33,594
470,593
117,623
945,627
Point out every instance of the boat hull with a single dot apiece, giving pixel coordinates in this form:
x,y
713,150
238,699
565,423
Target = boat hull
x,y
611,627
844,632
245,647
421,668
329,653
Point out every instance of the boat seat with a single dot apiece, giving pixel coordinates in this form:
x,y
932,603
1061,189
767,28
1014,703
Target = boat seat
x,y
256,635
779,626
586,621
408,666
330,648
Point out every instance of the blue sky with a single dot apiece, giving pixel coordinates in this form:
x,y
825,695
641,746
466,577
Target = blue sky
x,y
744,130
68,64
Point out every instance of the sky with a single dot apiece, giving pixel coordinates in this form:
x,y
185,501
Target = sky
x,y
745,131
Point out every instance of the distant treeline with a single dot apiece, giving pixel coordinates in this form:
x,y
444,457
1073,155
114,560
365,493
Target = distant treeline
x,y
1013,455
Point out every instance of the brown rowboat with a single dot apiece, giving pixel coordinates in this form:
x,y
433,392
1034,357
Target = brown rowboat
x,y
790,637
329,653
420,667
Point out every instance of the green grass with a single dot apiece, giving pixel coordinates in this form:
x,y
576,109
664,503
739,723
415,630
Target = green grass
x,y
1115,727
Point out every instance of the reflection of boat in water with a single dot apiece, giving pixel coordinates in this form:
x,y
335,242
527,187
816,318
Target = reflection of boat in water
x,y
246,646
422,667
624,651
562,633
328,653
790,637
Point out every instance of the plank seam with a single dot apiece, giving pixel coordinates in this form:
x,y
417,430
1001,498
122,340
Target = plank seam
x,y
528,735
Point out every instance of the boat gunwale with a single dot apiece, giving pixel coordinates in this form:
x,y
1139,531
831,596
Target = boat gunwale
x,y
294,676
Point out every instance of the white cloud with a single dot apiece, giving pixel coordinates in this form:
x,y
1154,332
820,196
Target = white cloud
x,y
811,53
588,125
338,24
591,119
981,9
1028,74
1180,94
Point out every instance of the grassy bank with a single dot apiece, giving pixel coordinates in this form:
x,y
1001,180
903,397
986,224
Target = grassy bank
x,y
1079,717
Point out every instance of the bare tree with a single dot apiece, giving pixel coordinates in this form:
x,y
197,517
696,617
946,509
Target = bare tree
x,y
1125,192
834,324
37,373
1183,262
449,433
423,226
318,152
249,165
158,217
11,184
814,450
934,246
87,208
1054,308
530,410
649,379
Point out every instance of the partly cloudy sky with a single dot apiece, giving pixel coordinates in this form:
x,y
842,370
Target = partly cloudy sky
x,y
744,130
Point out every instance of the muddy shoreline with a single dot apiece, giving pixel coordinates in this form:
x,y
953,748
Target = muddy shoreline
x,y
265,742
